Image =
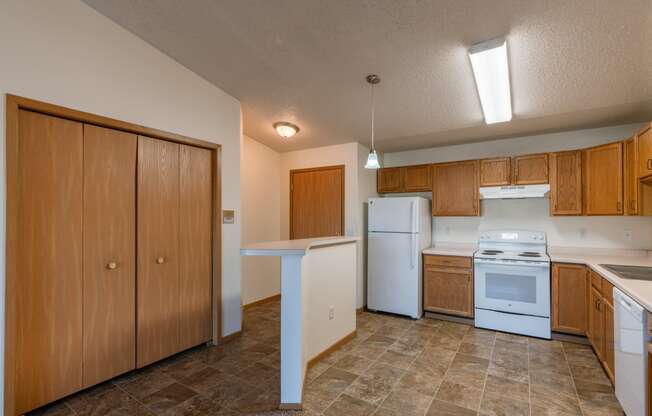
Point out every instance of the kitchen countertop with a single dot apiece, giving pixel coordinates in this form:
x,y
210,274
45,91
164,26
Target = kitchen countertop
x,y
452,249
292,247
640,291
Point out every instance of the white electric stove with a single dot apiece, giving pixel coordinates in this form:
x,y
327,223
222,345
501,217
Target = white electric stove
x,y
512,282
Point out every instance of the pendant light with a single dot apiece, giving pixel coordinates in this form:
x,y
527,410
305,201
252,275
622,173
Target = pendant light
x,y
372,159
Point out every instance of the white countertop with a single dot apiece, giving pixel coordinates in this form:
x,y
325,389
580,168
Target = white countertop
x,y
292,247
452,249
639,290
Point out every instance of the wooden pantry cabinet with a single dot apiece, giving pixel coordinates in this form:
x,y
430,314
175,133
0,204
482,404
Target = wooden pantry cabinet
x,y
448,285
570,285
602,172
455,189
110,264
416,178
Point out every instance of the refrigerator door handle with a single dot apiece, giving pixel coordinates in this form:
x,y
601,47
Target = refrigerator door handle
x,y
413,217
413,249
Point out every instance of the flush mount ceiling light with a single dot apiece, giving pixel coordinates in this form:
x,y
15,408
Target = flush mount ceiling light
x,y
372,159
491,72
285,129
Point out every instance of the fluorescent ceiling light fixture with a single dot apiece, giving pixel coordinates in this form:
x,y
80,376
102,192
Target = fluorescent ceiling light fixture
x,y
285,129
491,72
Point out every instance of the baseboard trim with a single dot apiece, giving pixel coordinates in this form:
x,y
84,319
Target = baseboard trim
x,y
290,406
230,337
332,348
263,301
577,339
450,318
360,310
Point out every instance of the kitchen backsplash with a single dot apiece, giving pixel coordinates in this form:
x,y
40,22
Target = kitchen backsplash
x,y
533,214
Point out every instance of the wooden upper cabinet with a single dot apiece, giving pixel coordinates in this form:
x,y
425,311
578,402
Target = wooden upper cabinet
x,y
417,178
631,187
566,183
455,189
109,253
495,172
644,145
47,358
602,169
530,169
389,180
570,290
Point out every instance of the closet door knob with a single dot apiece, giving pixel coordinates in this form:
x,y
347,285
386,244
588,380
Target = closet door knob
x,y
112,265
160,260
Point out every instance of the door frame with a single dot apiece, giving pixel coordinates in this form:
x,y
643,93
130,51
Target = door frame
x,y
14,105
341,168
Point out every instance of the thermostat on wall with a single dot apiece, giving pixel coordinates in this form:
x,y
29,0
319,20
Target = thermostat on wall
x,y
228,216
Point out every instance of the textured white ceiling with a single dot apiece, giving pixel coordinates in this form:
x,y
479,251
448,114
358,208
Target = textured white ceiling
x,y
573,64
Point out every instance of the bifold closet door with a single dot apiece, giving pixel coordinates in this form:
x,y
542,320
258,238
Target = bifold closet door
x,y
195,246
158,250
109,253
48,288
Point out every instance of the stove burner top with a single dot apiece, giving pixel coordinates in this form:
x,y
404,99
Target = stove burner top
x,y
529,254
492,252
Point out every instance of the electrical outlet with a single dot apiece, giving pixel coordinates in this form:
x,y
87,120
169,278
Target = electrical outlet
x,y
331,313
627,235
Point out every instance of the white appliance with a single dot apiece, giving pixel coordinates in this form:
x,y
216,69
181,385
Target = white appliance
x,y
512,282
399,229
631,338
514,191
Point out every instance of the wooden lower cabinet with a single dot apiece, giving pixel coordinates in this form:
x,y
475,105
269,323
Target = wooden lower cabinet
x,y
448,289
570,284
609,347
596,323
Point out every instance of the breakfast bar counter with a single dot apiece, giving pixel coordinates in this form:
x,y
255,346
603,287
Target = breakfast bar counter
x,y
318,309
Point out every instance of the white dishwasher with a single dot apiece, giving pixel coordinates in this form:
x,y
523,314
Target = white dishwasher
x,y
631,339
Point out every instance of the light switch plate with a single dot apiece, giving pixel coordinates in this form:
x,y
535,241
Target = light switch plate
x,y
228,216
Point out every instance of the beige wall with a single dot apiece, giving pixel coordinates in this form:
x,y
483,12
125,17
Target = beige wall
x,y
260,175
533,214
68,54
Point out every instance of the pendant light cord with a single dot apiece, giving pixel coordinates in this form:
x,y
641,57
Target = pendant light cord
x,y
373,111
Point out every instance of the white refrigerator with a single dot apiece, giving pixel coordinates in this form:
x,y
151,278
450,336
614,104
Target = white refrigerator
x,y
399,229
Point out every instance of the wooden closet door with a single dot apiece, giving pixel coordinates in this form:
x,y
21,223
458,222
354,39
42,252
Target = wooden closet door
x,y
158,250
195,246
48,349
109,253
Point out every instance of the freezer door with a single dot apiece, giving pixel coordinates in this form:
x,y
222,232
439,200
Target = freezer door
x,y
394,215
394,274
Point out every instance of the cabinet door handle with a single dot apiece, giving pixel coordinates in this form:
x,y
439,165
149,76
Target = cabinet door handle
x,y
649,164
112,265
619,206
160,260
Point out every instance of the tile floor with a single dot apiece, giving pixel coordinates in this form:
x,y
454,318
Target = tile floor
x,y
394,367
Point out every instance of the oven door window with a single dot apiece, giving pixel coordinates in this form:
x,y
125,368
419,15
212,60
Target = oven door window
x,y
511,287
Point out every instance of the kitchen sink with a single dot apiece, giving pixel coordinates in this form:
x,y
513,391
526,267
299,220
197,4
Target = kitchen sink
x,y
630,272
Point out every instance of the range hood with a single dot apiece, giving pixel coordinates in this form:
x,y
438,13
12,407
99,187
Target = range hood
x,y
514,191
